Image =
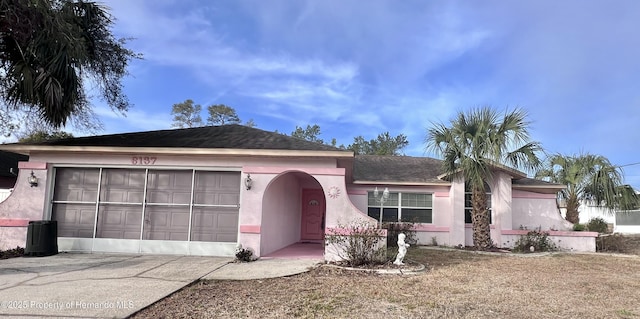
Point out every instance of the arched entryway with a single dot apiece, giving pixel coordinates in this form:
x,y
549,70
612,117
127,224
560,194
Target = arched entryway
x,y
293,217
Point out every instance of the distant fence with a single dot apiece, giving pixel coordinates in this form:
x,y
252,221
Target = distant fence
x,y
628,218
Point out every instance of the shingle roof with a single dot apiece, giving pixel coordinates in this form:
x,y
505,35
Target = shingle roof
x,y
397,169
231,136
366,168
534,182
8,161
374,168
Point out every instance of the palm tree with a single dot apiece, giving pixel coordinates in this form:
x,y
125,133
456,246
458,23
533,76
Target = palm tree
x,y
473,144
588,178
50,48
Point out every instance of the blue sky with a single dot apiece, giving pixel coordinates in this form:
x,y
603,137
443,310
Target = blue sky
x,y
366,67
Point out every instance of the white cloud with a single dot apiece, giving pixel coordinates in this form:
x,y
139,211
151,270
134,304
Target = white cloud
x,y
136,120
359,68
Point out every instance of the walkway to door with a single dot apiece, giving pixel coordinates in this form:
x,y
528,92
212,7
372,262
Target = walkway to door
x,y
302,250
116,286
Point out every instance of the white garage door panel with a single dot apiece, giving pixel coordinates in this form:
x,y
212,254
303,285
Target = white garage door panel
x,y
215,224
79,185
169,187
217,188
119,221
122,185
168,197
166,223
74,220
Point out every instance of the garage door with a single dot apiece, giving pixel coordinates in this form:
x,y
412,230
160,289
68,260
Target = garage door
x,y
628,222
147,210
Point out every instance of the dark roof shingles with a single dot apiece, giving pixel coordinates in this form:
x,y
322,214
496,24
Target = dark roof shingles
x,y
534,182
397,169
234,136
225,136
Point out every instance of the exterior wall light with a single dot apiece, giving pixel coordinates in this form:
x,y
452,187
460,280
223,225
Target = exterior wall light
x,y
248,182
33,180
381,199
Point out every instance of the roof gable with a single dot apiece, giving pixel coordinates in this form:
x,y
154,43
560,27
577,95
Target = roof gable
x,y
404,169
376,169
231,136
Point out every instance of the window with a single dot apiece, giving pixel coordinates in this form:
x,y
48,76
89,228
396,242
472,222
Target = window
x,y
468,206
403,207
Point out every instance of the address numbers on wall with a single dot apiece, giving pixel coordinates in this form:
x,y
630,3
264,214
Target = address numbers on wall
x,y
143,160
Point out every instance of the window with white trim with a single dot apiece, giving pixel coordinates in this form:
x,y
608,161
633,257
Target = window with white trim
x,y
468,204
402,207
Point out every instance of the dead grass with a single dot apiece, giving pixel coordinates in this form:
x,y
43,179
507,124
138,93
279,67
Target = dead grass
x,y
458,284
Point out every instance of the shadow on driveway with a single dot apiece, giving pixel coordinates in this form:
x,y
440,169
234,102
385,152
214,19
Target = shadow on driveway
x,y
95,285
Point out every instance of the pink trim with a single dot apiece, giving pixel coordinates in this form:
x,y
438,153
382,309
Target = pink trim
x,y
32,165
250,229
441,194
309,170
492,226
12,222
553,233
356,192
429,228
347,231
521,194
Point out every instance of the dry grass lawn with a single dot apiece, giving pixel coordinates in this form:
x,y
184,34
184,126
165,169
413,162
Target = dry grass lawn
x,y
457,284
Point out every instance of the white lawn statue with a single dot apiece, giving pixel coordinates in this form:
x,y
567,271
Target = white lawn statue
x,y
402,249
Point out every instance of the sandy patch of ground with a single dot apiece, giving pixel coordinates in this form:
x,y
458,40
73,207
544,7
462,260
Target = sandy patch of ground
x,y
458,284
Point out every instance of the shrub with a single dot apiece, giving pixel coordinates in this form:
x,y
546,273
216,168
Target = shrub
x,y
12,253
537,239
393,229
579,227
244,254
598,224
358,244
616,243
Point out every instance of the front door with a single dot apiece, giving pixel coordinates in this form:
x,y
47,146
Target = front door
x,y
313,206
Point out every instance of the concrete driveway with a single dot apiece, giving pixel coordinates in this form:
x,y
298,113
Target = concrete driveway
x,y
94,285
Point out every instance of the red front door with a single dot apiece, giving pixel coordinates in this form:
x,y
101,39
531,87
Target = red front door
x,y
312,214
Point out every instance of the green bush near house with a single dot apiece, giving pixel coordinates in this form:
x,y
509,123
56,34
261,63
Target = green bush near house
x,y
244,254
598,224
394,229
361,245
537,239
579,227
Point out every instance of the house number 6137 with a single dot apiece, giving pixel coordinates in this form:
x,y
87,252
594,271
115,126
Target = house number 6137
x,y
143,160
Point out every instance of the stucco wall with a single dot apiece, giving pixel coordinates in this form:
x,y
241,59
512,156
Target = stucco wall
x,y
533,210
456,197
257,231
501,201
340,209
190,161
26,203
564,240
281,214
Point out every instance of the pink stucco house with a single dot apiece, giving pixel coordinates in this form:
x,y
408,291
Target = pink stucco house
x,y
201,191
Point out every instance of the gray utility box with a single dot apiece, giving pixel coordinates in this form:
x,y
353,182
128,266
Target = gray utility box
x,y
42,238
